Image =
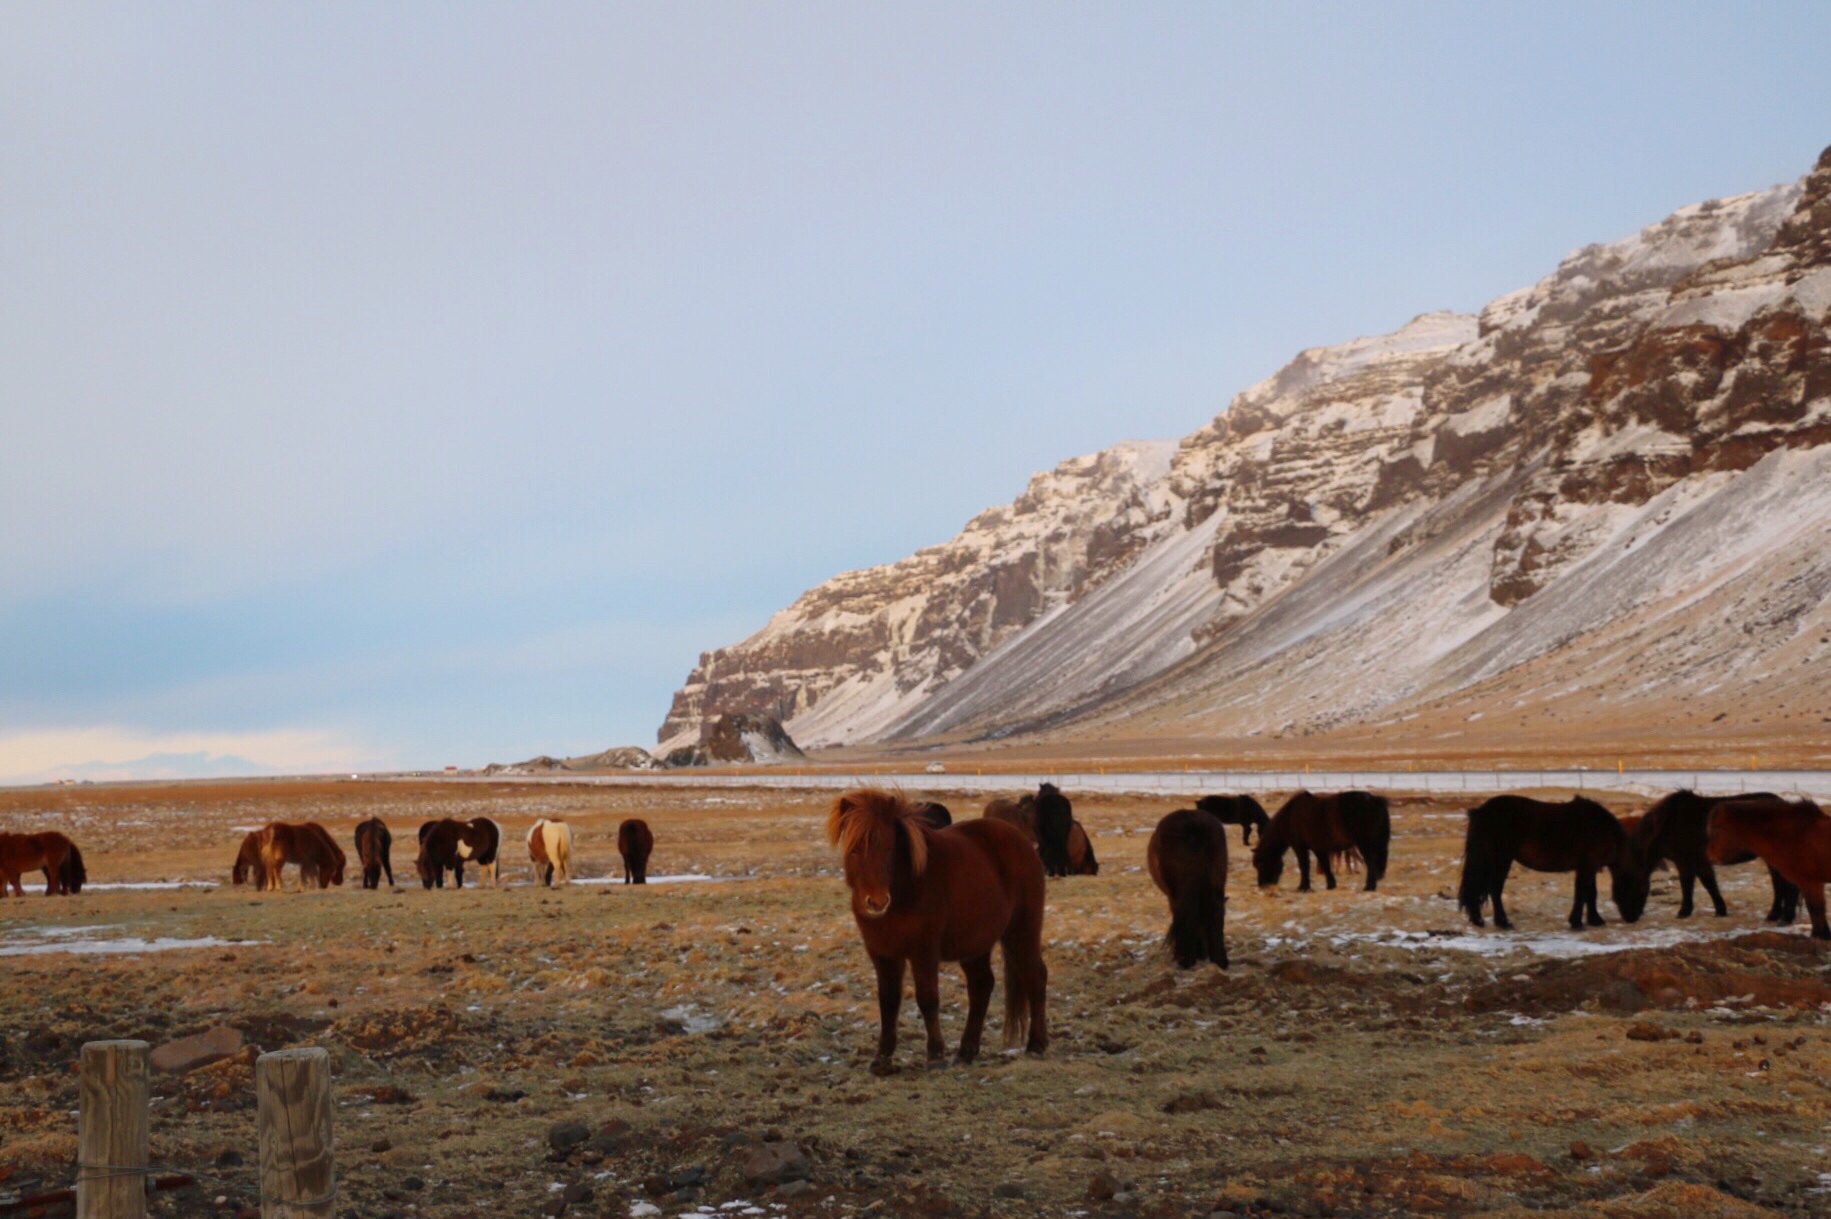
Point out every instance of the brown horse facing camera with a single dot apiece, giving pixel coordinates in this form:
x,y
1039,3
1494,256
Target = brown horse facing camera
x,y
1187,859
924,896
1792,837
1577,836
50,852
635,842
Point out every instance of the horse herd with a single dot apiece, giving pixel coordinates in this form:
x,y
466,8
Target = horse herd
x,y
446,846
926,889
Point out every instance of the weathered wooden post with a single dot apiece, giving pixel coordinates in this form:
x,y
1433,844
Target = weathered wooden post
x,y
292,1090
111,1130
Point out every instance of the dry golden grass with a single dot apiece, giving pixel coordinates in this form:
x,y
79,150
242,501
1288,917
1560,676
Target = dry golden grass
x,y
1333,1070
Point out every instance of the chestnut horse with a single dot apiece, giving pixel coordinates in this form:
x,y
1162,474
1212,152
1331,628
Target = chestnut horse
x,y
1793,838
926,896
1081,861
1020,812
1677,828
550,847
248,867
447,845
1187,859
307,844
1356,821
1242,811
1576,836
635,842
50,852
373,844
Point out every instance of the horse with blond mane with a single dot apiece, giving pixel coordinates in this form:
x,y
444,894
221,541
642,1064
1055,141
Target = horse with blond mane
x,y
309,845
50,852
550,847
922,896
1791,837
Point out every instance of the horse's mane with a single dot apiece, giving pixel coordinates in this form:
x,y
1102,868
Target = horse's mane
x,y
855,813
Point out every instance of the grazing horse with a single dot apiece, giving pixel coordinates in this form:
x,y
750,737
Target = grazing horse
x,y
1677,829
373,842
1081,861
925,896
935,815
1020,812
550,847
1187,858
307,844
51,852
447,845
1793,838
1576,836
1242,811
635,842
1356,821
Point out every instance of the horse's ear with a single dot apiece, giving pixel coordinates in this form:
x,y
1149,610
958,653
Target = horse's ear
x,y
918,844
843,807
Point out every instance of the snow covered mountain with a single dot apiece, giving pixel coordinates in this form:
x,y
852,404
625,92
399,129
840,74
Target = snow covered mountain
x,y
1612,481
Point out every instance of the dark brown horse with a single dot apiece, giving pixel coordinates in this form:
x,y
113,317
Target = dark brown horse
x,y
925,896
1054,820
1019,811
447,845
1187,858
1325,825
1792,837
1242,811
50,852
1576,836
1677,829
935,815
1081,861
373,844
635,842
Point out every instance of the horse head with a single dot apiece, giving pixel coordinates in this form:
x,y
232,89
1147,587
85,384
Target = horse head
x,y
881,841
1630,876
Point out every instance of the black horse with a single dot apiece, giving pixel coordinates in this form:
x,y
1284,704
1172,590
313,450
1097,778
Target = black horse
x,y
1676,828
935,815
1242,811
1054,819
1576,836
1327,825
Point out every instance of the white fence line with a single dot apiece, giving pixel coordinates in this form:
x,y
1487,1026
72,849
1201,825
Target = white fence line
x,y
1811,783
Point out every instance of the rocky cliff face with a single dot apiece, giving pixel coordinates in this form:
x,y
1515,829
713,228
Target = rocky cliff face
x,y
1375,523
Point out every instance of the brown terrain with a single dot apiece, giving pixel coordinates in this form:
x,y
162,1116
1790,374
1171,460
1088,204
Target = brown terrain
x,y
1365,1054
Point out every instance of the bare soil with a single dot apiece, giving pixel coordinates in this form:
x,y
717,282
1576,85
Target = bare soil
x,y
1365,1055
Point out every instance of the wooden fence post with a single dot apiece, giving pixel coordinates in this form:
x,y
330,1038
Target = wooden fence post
x,y
292,1090
111,1130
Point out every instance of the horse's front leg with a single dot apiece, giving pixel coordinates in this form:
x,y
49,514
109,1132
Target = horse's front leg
x,y
1327,869
889,1003
1500,911
1687,882
457,874
1708,875
1590,897
979,984
927,972
1303,869
1576,903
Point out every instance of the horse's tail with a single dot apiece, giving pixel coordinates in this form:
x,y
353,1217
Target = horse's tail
x,y
1477,866
1026,976
72,872
563,850
1196,930
1017,995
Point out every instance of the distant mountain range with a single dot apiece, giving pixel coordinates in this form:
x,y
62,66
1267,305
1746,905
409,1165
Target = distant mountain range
x,y
1604,499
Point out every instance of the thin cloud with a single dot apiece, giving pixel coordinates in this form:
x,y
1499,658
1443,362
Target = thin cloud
x,y
111,752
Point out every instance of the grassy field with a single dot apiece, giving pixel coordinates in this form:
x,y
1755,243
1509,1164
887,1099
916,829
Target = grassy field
x,y
1366,1054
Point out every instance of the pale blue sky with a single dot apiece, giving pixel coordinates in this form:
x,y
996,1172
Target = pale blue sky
x,y
413,384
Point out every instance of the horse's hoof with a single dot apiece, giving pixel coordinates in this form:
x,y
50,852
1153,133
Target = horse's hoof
x,y
1597,922
938,1062
882,1067
1683,913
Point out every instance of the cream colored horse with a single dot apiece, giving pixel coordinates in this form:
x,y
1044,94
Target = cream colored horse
x,y
550,847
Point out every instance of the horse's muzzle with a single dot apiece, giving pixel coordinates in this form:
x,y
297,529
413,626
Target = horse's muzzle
x,y
870,909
